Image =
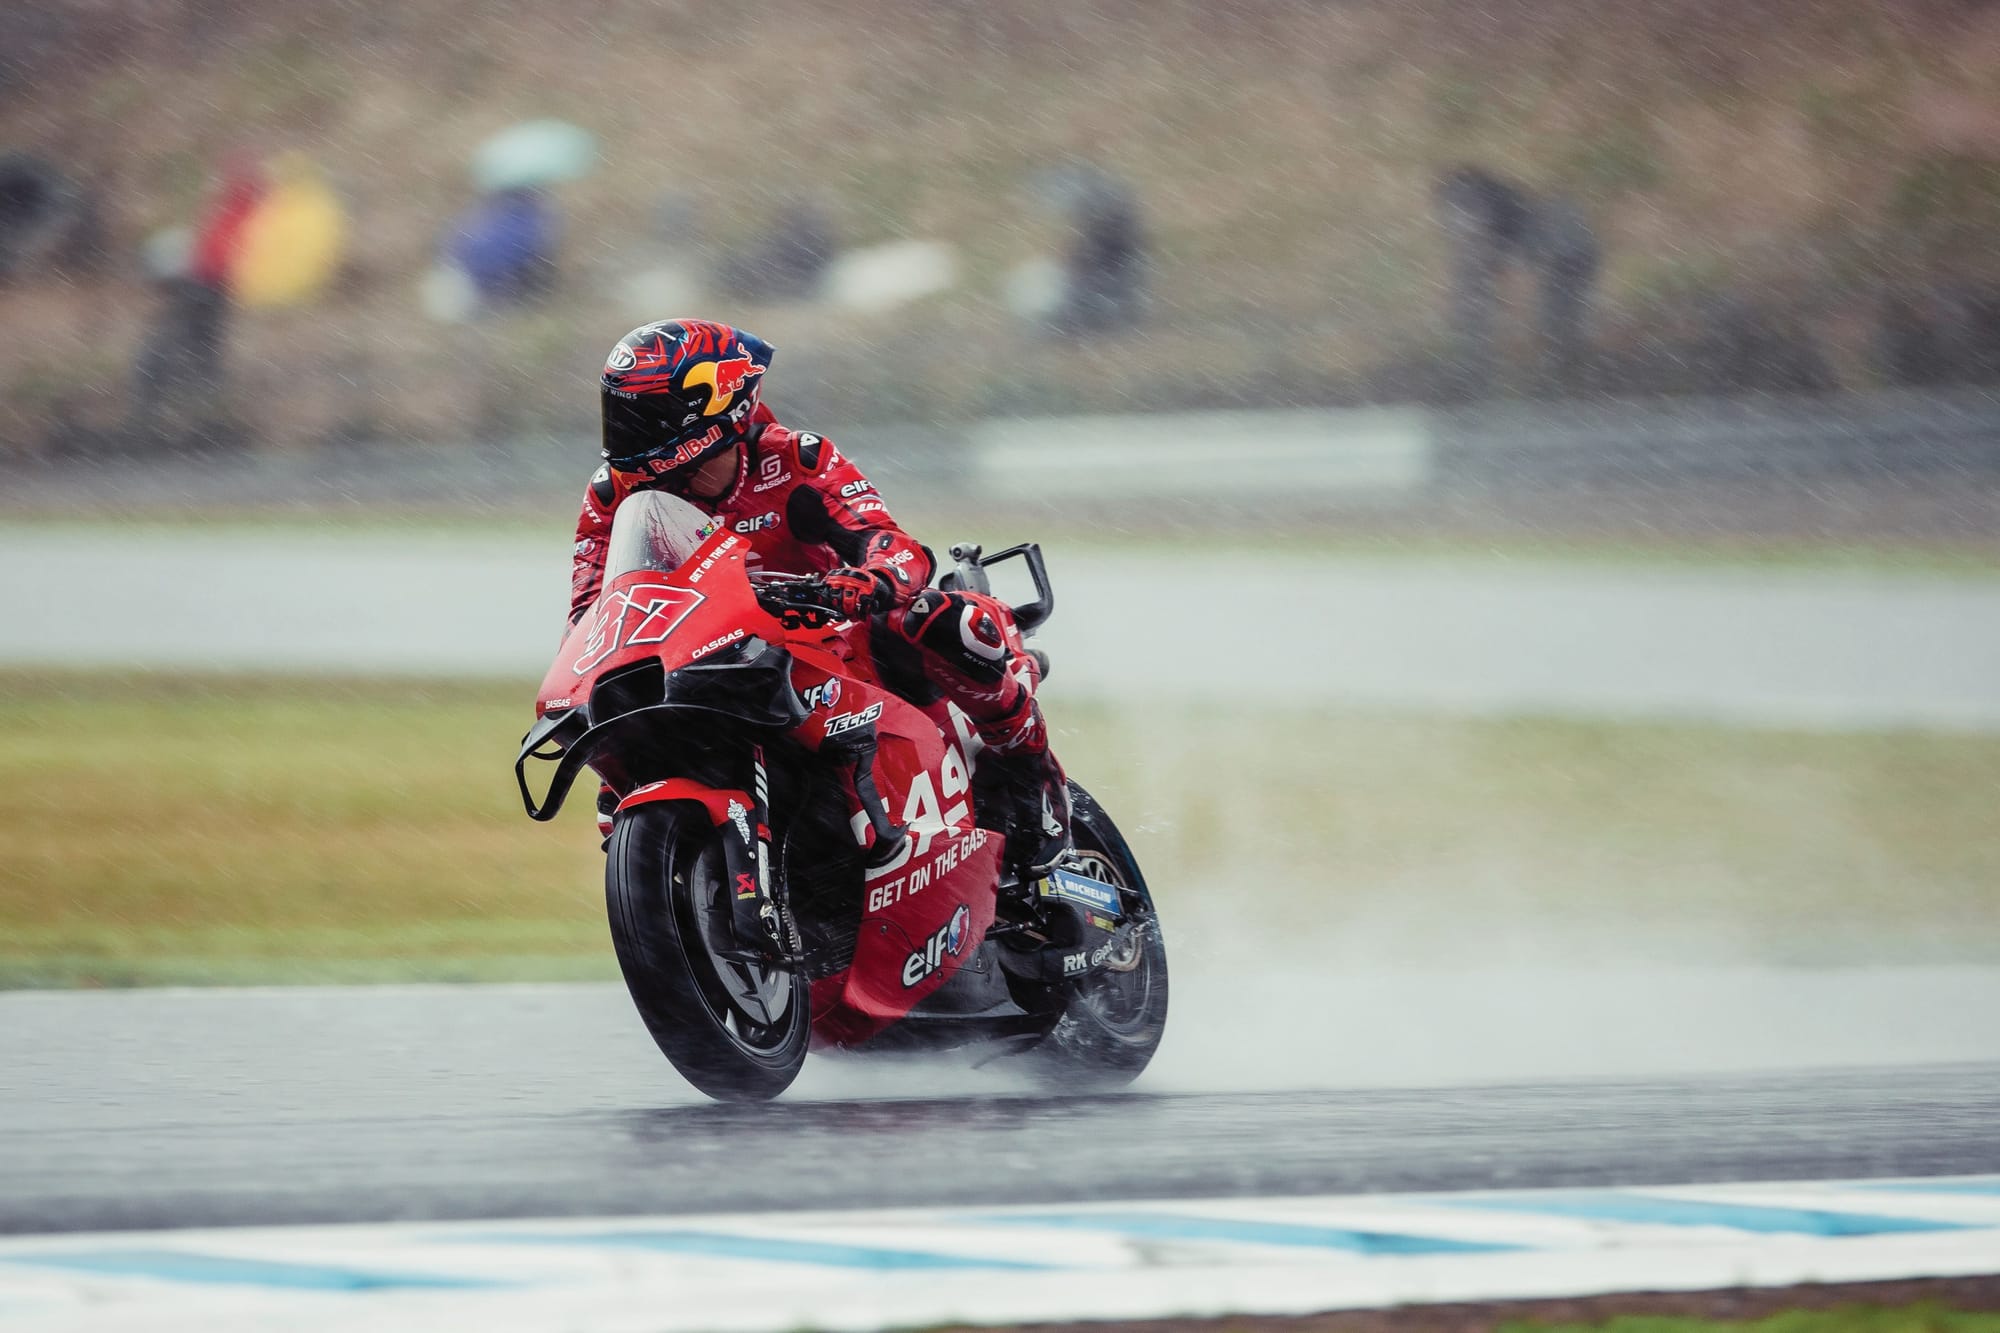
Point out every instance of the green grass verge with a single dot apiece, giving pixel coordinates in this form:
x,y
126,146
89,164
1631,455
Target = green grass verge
x,y
171,829
186,830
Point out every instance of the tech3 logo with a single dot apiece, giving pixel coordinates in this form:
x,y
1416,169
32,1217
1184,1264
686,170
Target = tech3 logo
x,y
842,723
949,942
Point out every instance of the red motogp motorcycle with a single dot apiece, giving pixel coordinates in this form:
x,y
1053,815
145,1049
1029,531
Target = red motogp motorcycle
x,y
802,856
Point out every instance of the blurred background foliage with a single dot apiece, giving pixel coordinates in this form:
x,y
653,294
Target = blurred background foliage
x,y
1801,162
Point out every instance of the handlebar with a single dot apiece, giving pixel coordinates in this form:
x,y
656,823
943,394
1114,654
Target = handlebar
x,y
800,597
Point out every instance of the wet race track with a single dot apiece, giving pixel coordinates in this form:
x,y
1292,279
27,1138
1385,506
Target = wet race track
x,y
1788,646
211,1108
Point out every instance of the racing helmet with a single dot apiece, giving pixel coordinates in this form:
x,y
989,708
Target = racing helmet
x,y
677,393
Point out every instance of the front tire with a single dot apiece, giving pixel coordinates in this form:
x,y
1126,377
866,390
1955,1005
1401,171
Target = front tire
x,y
1112,1020
737,1031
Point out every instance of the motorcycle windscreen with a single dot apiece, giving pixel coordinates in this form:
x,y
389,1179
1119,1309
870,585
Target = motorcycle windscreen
x,y
654,531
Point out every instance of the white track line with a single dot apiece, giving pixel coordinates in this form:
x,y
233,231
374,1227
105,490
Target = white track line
x,y
904,1268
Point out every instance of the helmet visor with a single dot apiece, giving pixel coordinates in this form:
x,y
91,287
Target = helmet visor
x,y
646,426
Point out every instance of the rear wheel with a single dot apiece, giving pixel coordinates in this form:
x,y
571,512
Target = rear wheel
x,y
738,1031
1113,1019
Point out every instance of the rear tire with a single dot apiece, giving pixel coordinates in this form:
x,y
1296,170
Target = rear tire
x,y
737,1031
1112,1020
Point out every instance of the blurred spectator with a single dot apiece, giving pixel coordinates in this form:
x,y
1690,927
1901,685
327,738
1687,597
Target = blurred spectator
x,y
47,221
505,244
1485,219
1107,259
1491,222
787,263
1563,249
180,395
502,250
1104,270
218,238
290,246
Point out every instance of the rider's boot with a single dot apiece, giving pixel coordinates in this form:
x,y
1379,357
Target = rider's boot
x,y
1031,782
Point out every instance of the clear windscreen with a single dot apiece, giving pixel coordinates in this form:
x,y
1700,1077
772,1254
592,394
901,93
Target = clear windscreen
x,y
656,531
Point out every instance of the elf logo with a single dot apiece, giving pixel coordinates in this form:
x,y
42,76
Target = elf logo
x,y
949,942
759,523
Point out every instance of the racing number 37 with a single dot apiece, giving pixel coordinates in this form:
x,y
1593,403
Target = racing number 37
x,y
642,614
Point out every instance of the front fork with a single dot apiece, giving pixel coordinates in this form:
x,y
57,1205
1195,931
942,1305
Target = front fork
x,y
759,920
760,923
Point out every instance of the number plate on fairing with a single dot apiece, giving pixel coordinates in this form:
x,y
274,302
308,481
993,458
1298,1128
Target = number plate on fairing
x,y
1081,889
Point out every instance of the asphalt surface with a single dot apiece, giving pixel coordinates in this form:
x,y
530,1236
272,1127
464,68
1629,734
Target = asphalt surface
x,y
159,1109
1808,647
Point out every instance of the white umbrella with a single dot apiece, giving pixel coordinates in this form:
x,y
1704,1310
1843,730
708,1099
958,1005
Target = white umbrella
x,y
535,152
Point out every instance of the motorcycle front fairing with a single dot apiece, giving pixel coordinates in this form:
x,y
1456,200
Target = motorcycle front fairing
x,y
747,682
676,629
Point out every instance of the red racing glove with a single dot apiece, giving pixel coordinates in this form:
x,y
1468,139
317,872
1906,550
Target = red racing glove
x,y
856,592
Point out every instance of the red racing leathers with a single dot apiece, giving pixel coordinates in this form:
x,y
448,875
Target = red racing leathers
x,y
804,507
807,509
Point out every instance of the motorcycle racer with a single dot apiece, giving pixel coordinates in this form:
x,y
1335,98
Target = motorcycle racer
x,y
683,411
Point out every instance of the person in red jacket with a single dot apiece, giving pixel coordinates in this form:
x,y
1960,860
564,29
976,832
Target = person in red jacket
x,y
684,412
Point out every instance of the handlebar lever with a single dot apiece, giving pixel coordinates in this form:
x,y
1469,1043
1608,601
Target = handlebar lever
x,y
798,602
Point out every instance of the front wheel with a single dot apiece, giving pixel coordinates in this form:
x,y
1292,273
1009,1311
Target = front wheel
x,y
738,1031
1113,1019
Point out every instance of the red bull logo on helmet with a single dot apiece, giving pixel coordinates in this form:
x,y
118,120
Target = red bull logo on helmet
x,y
731,375
725,379
689,452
